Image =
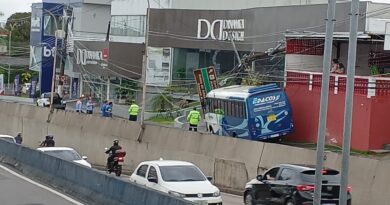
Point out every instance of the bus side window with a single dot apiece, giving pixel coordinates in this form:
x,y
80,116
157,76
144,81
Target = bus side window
x,y
237,111
234,108
228,109
210,108
244,110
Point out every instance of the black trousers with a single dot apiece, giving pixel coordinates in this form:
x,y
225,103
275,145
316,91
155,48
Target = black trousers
x,y
193,127
133,117
89,112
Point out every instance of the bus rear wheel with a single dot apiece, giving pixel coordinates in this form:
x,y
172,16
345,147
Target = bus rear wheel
x,y
275,140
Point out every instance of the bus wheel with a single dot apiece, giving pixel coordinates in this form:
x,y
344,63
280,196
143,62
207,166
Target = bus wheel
x,y
276,140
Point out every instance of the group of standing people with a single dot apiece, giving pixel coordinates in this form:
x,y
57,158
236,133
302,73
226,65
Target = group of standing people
x,y
106,108
90,105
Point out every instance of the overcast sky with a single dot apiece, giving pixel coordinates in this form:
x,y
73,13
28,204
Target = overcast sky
x,y
9,7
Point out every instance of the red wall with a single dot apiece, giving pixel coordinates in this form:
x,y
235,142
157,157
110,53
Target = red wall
x,y
371,116
380,122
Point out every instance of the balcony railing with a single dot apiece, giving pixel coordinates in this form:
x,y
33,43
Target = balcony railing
x,y
364,85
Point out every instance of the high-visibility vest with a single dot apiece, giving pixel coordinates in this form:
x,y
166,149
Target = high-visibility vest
x,y
219,111
133,110
193,117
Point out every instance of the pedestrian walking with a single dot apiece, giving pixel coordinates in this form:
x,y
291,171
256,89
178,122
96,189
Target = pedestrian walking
x,y
133,111
79,105
193,118
19,138
90,106
103,108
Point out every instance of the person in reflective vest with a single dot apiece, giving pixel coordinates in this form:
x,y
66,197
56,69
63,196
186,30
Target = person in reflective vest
x,y
193,118
133,111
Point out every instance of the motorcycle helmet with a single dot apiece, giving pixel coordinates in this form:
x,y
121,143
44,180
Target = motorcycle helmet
x,y
116,142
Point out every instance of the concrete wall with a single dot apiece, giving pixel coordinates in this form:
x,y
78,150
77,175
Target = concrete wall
x,y
370,115
232,162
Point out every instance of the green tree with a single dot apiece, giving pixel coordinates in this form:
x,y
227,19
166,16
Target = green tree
x,y
26,76
126,90
162,102
20,24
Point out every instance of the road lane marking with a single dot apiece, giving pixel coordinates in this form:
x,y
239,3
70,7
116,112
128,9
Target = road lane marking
x,y
41,186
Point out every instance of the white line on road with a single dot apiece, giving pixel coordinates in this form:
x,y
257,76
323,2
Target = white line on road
x,y
41,186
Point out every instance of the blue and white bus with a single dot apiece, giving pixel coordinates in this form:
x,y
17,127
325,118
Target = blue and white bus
x,y
249,112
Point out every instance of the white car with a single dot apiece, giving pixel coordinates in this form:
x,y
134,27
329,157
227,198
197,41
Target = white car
x,y
8,138
177,178
44,101
66,153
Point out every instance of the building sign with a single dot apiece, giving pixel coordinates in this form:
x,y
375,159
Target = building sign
x,y
158,72
222,30
206,80
84,56
1,84
92,57
75,88
33,88
35,24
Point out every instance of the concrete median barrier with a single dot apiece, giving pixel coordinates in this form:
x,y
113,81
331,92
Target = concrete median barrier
x,y
230,161
87,185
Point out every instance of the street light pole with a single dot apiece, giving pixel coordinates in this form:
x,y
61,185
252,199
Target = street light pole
x,y
144,67
324,100
349,101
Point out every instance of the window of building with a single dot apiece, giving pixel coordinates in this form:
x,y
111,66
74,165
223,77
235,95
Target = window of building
x,y
142,170
133,26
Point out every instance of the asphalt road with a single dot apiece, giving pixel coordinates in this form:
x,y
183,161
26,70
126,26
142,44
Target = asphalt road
x,y
15,190
229,199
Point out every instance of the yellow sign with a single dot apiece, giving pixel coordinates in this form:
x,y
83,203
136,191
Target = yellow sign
x,y
271,118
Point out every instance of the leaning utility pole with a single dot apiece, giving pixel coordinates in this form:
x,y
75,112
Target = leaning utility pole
x,y
9,55
65,23
324,100
349,100
144,67
9,52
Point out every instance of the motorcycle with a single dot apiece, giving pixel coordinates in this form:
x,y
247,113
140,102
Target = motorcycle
x,y
117,163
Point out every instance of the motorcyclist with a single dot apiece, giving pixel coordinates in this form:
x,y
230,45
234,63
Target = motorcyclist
x,y
112,152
